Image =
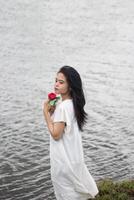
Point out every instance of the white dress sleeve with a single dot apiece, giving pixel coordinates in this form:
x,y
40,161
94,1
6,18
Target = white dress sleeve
x,y
62,114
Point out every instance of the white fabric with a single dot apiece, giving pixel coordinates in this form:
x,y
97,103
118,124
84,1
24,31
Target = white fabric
x,y
70,176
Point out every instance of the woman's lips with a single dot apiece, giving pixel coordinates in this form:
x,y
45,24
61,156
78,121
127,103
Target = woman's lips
x,y
56,89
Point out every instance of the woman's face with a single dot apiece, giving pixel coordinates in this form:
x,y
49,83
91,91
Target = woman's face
x,y
61,86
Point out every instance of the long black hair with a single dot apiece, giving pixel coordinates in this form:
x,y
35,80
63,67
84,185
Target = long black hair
x,y
77,94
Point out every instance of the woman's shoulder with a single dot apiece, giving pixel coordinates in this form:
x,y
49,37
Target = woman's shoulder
x,y
66,104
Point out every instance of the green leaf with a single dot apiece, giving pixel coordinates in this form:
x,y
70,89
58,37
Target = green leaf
x,y
58,97
53,102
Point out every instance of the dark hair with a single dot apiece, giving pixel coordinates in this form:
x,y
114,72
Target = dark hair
x,y
77,94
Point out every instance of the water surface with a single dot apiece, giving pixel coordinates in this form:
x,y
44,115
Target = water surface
x,y
38,37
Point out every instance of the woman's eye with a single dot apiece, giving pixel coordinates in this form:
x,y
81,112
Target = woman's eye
x,y
61,82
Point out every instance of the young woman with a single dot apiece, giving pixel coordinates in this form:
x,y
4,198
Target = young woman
x,y
69,174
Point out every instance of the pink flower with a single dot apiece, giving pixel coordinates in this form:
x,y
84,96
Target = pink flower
x,y
53,98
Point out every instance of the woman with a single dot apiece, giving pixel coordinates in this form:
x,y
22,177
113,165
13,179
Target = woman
x,y
69,174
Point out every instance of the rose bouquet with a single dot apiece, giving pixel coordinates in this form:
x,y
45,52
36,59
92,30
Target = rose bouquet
x,y
53,98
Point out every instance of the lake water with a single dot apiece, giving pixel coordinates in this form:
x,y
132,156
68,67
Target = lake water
x,y
36,39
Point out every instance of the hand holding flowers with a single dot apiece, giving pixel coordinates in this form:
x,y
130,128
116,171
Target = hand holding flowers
x,y
53,98
49,105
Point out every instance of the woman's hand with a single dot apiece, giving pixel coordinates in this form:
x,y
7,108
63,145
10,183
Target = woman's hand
x,y
56,129
48,108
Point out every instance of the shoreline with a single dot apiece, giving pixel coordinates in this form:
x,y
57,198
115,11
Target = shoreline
x,y
115,190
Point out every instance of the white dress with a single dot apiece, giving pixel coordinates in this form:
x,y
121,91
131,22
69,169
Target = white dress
x,y
70,176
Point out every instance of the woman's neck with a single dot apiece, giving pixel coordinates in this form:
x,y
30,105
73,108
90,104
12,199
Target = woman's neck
x,y
64,97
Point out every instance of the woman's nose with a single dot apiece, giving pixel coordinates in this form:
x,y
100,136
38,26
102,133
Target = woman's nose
x,y
56,84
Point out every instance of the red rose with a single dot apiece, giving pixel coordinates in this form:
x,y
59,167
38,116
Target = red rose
x,y
52,96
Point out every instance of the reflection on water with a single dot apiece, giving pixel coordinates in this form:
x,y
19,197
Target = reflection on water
x,y
36,39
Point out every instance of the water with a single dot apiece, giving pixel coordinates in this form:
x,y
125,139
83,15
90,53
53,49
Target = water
x,y
38,37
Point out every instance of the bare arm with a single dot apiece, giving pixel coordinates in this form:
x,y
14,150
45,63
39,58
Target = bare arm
x,y
56,129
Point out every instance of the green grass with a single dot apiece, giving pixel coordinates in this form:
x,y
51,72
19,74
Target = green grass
x,y
108,190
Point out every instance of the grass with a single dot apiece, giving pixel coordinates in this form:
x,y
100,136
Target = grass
x,y
108,190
